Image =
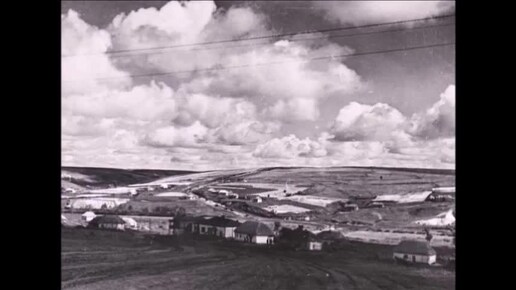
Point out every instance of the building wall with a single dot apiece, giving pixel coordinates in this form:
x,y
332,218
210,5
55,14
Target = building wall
x,y
314,246
263,240
204,229
112,226
425,259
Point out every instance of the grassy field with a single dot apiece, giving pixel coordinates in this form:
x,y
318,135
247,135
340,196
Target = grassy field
x,y
112,260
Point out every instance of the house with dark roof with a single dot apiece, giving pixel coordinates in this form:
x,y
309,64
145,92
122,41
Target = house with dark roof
x,y
415,252
254,232
184,224
111,222
218,226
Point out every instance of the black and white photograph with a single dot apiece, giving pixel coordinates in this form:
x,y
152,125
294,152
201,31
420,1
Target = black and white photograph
x,y
258,145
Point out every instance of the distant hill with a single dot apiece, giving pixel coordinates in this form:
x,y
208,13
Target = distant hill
x,y
106,176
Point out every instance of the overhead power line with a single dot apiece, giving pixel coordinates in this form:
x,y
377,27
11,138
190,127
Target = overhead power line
x,y
269,63
268,36
290,40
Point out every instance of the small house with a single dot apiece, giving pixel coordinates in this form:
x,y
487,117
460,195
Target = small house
x,y
109,222
233,195
314,245
349,207
439,197
88,216
130,223
218,226
254,232
411,251
257,199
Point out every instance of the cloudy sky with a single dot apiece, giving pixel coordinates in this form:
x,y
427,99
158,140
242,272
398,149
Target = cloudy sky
x,y
126,104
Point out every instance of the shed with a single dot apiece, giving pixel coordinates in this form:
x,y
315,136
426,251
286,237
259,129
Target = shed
x,y
112,222
412,251
254,232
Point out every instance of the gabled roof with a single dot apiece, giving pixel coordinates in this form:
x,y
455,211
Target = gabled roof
x,y
414,247
254,228
220,222
107,219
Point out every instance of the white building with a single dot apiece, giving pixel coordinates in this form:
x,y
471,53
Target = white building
x,y
257,199
130,223
254,232
88,216
415,252
314,246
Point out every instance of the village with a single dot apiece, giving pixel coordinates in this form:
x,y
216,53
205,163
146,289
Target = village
x,y
229,207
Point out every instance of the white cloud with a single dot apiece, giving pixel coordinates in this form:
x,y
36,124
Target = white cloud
x,y
85,61
290,147
437,121
364,12
358,122
176,136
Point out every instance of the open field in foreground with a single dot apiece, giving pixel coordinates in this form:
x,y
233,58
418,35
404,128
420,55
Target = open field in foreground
x,y
113,260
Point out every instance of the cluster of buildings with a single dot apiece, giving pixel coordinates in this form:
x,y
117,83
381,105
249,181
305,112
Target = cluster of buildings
x,y
407,251
249,231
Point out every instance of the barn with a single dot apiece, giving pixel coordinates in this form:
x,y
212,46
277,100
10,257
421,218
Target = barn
x,y
218,226
110,222
254,232
415,252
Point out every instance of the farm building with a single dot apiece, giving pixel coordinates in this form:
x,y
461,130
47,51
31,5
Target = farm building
x,y
254,232
130,223
111,222
441,220
350,207
186,224
88,216
414,252
439,197
314,245
257,199
441,190
218,226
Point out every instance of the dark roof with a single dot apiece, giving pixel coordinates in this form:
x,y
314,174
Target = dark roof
x,y
220,222
107,219
414,247
254,228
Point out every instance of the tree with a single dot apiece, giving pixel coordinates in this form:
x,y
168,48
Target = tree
x,y
428,235
180,212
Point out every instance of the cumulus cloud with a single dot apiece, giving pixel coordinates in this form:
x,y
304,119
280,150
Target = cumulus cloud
x,y
359,122
225,118
294,76
85,61
364,12
437,121
291,147
176,136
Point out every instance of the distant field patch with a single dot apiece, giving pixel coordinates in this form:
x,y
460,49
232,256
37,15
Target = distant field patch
x,y
285,208
171,194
